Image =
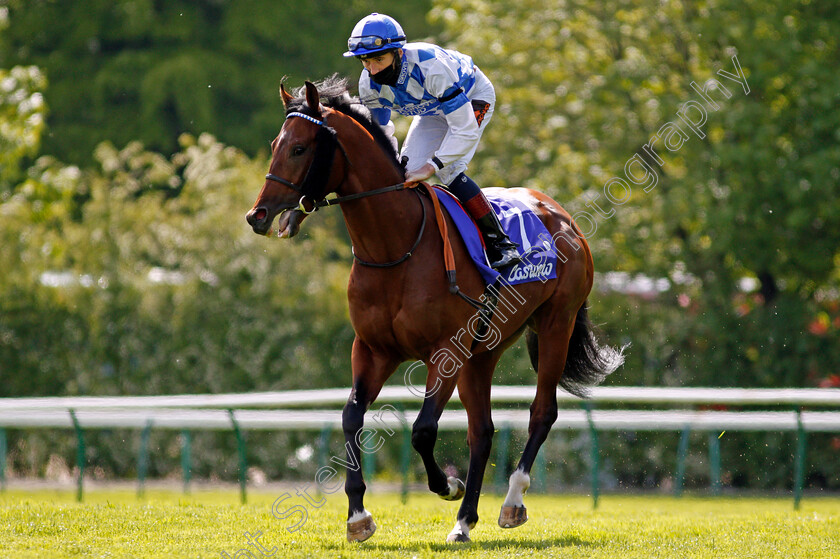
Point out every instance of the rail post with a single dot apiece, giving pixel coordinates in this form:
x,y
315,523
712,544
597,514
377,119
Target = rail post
x,y
243,458
539,465
714,462
186,458
682,450
2,459
80,455
502,452
595,454
799,460
368,464
405,454
143,458
323,449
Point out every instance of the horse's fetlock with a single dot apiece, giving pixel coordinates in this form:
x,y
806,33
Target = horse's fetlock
x,y
354,488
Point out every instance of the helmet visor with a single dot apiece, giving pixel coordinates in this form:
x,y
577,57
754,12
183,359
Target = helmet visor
x,y
370,42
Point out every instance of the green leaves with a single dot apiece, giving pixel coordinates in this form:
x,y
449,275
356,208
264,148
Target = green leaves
x,y
586,88
22,118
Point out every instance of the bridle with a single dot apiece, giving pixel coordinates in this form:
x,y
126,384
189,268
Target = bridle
x,y
317,178
327,142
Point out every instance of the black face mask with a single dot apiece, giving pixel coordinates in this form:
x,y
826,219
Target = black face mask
x,y
389,75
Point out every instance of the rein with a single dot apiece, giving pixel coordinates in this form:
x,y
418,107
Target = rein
x,y
405,256
448,256
338,199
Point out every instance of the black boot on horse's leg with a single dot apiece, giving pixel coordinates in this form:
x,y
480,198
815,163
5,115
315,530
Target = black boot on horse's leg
x,y
501,251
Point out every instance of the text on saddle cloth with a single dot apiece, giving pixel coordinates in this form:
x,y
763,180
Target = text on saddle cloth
x,y
522,226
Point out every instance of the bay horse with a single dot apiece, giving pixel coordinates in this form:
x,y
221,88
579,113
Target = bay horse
x,y
401,306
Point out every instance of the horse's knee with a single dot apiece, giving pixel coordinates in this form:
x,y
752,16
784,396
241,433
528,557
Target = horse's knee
x,y
424,435
480,437
352,418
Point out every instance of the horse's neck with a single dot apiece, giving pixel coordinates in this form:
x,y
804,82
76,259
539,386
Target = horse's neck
x,y
382,227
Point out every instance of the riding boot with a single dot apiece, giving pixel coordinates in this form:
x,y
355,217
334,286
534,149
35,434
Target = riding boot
x,y
501,251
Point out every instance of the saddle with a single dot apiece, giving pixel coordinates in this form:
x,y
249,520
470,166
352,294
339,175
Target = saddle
x,y
539,260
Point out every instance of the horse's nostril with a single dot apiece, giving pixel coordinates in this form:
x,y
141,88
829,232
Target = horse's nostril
x,y
260,214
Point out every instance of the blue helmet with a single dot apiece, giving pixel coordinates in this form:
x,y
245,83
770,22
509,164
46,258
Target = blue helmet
x,y
375,33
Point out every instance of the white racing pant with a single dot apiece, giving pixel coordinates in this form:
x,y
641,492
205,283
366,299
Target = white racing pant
x,y
426,133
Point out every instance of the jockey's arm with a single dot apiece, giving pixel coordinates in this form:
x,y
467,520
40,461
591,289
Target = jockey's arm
x,y
461,137
382,116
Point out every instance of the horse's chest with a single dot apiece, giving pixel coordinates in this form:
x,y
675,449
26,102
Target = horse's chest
x,y
403,323
384,316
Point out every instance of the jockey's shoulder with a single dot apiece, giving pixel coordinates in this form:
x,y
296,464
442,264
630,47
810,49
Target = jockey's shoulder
x,y
419,45
426,51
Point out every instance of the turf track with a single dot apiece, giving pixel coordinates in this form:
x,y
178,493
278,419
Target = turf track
x,y
48,524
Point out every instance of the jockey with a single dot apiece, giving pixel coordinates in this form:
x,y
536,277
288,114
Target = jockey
x,y
451,101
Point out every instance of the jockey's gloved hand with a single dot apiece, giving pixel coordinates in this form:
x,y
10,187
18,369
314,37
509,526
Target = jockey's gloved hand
x,y
420,174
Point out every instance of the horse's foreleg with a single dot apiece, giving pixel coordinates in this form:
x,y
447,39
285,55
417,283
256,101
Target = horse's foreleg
x,y
474,391
370,372
553,349
439,389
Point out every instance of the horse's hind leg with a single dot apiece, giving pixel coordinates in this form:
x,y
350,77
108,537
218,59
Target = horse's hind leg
x,y
474,391
550,358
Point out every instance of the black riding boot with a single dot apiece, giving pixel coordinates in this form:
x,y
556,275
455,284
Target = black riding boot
x,y
501,251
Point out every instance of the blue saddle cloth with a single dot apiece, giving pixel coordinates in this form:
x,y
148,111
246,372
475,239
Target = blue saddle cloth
x,y
522,226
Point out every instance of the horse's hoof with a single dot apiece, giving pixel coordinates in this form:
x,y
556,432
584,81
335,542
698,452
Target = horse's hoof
x,y
458,538
455,491
361,530
513,516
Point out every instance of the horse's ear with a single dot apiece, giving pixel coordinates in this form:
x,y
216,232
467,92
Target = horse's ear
x,y
313,99
285,95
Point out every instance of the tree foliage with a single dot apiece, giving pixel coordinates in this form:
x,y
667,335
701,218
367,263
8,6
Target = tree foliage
x,y
140,70
128,267
583,87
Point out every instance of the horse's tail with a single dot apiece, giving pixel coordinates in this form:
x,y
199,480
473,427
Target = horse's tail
x,y
588,363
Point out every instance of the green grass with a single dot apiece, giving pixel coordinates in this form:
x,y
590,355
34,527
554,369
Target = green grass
x,y
47,524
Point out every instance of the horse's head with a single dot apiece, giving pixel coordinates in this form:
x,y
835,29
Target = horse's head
x,y
301,171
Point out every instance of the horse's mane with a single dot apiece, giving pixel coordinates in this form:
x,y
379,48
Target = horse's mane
x,y
334,93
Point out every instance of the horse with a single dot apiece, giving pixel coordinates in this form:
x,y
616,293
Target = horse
x,y
402,307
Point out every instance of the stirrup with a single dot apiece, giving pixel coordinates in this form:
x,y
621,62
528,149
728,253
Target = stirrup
x,y
508,255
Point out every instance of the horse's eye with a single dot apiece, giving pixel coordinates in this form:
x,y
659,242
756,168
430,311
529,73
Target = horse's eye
x,y
298,150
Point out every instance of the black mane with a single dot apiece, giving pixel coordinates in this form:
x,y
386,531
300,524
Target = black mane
x,y
334,93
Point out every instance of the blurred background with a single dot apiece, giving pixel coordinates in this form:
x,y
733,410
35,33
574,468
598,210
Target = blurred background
x,y
134,135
